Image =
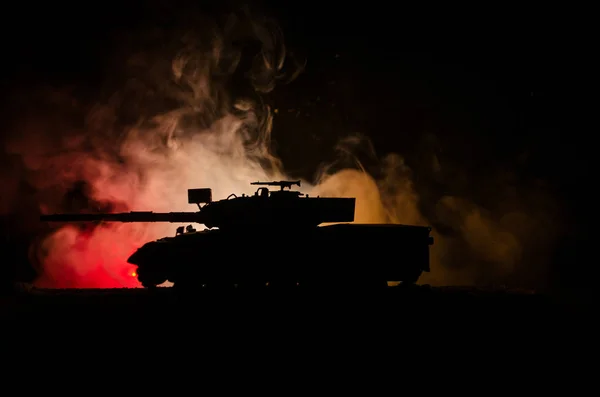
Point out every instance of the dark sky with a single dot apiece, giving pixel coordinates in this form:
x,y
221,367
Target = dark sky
x,y
492,85
493,75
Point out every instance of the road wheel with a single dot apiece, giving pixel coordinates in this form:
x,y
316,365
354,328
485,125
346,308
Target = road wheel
x,y
150,278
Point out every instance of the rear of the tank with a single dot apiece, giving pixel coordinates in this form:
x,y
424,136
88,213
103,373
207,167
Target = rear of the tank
x,y
367,251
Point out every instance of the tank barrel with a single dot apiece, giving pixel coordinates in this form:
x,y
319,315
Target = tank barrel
x,y
135,216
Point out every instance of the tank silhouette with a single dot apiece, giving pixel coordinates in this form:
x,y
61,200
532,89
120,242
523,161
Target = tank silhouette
x,y
273,238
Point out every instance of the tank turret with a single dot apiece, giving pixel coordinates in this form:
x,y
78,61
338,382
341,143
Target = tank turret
x,y
263,209
248,238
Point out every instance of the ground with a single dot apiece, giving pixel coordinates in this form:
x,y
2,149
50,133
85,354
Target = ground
x,y
161,330
395,304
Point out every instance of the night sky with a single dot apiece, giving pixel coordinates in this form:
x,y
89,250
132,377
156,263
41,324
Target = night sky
x,y
487,91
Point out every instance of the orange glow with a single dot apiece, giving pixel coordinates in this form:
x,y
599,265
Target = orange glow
x,y
133,274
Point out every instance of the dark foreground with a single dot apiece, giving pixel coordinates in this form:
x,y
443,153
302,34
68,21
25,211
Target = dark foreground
x,y
384,316
298,337
389,308
398,329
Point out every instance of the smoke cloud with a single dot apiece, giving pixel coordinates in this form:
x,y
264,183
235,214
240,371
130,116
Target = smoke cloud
x,y
185,109
184,114
509,241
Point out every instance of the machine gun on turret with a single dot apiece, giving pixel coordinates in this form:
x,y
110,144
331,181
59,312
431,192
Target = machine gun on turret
x,y
281,184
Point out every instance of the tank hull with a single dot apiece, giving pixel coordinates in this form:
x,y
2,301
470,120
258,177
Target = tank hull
x,y
334,254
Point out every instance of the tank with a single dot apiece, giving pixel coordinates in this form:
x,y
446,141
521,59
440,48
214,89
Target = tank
x,y
273,238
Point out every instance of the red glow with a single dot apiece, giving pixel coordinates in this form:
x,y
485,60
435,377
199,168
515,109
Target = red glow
x,y
95,258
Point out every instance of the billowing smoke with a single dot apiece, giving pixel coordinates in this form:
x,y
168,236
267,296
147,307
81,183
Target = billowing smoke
x,y
183,110
186,114
508,242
